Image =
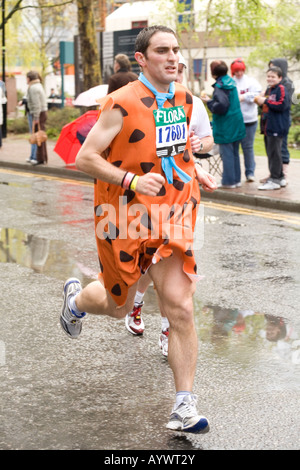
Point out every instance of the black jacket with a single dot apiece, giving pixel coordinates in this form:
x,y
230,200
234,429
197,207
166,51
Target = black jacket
x,y
276,111
120,78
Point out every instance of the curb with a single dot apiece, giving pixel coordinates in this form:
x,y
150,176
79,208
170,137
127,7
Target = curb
x,y
46,170
218,195
253,200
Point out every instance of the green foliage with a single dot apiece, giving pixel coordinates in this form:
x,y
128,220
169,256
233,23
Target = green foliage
x,y
280,36
294,137
18,125
295,111
57,118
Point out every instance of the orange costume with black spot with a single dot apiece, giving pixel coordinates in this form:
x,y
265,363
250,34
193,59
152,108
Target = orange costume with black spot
x,y
134,230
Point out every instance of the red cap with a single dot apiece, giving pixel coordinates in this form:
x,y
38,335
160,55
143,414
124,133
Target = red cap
x,y
237,64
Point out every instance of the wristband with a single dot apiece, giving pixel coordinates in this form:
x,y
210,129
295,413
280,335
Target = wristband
x,y
127,179
196,162
134,182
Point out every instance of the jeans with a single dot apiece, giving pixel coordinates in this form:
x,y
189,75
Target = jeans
x,y
33,146
248,151
231,163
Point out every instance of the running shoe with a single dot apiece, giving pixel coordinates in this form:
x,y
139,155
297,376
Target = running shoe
x,y
269,186
163,342
70,322
133,320
186,418
250,178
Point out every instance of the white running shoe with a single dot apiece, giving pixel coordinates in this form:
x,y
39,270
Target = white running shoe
x,y
269,186
163,342
283,182
227,186
186,418
70,322
133,320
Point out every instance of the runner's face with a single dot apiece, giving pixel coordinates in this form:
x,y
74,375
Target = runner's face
x,y
160,62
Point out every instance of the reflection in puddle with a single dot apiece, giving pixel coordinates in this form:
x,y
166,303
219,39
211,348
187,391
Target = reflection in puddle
x,y
233,327
52,258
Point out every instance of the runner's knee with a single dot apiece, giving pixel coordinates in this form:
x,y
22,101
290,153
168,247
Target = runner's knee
x,y
180,311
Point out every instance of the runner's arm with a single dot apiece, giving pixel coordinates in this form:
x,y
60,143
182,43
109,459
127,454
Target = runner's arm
x,y
90,160
207,181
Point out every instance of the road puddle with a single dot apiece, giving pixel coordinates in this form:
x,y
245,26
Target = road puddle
x,y
49,257
245,335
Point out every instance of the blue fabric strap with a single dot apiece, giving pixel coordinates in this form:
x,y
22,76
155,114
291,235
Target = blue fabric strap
x,y
167,163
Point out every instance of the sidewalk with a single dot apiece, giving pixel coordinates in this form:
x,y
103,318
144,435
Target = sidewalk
x,y
15,151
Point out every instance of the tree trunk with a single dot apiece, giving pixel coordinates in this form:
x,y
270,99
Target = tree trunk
x,y
88,44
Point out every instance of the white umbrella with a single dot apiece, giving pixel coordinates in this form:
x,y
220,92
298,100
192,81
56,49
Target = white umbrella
x,y
90,97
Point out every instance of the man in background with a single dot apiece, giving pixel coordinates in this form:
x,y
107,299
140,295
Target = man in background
x,y
123,73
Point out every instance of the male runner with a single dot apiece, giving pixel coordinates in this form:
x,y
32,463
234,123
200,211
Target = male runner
x,y
201,142
140,156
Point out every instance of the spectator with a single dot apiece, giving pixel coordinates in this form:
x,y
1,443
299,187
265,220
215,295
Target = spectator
x,y
274,125
37,104
228,123
122,75
53,96
32,157
248,88
289,86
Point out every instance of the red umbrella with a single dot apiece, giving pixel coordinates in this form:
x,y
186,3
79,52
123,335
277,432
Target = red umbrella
x,y
73,135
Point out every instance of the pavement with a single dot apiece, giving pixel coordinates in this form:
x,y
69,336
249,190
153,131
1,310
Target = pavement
x,y
15,150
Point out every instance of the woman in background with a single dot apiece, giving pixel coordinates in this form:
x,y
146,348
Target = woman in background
x,y
37,105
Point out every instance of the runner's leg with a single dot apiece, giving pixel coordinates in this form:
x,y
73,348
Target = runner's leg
x,y
95,299
175,292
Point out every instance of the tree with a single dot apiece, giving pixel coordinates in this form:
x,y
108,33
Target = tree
x,y
42,32
88,44
229,23
33,38
284,35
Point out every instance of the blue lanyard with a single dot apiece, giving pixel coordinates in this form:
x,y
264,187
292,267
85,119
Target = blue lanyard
x,y
167,163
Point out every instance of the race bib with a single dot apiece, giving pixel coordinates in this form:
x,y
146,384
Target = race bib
x,y
171,131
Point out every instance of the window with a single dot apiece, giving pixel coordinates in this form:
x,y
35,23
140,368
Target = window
x,y
198,68
139,24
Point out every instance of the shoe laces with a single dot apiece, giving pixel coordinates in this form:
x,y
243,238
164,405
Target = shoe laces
x,y
136,313
188,408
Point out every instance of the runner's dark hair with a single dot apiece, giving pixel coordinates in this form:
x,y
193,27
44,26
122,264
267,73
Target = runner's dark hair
x,y
143,38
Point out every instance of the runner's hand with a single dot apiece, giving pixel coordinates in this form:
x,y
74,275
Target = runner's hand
x,y
207,181
150,184
195,142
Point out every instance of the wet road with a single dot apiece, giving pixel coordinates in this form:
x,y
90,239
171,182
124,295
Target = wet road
x,y
109,390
